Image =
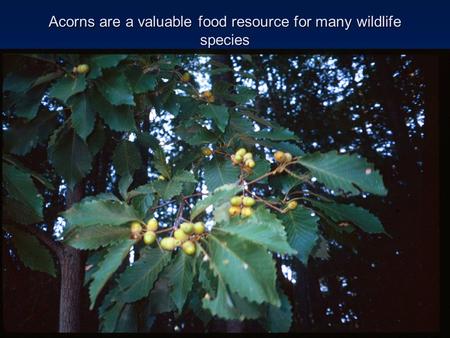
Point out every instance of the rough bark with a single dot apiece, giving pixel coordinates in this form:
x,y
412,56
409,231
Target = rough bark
x,y
70,261
71,283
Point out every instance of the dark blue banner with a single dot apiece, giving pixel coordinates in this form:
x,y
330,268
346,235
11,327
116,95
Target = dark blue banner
x,y
225,25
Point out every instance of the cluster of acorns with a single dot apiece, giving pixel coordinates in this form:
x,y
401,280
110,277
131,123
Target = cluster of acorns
x,y
241,205
281,157
242,156
181,237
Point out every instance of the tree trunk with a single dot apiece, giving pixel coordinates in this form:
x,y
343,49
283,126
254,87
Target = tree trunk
x,y
70,261
71,283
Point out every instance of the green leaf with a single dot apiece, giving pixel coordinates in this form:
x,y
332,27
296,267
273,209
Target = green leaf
x,y
159,300
20,186
141,82
118,118
284,182
219,172
279,319
276,134
128,319
147,141
262,167
83,114
110,309
31,252
239,127
96,236
99,62
219,114
168,189
70,157
220,301
229,305
110,317
111,262
360,217
321,250
160,163
220,196
18,212
94,212
261,228
195,304
38,177
244,95
344,172
137,280
184,176
67,86
247,268
142,190
172,104
21,139
27,106
194,134
108,60
92,264
18,82
142,203
124,184
181,275
47,77
294,149
302,231
116,89
96,139
126,158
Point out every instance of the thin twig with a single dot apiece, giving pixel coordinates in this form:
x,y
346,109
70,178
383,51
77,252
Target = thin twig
x,y
270,205
261,177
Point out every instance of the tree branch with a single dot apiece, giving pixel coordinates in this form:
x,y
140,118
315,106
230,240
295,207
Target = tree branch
x,y
55,247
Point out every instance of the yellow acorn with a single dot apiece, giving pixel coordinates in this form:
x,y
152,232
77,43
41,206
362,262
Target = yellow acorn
x,y
233,160
82,69
292,205
206,151
236,200
169,243
246,212
149,237
152,224
135,227
161,178
199,228
248,156
250,163
241,152
180,235
234,211
188,248
279,156
248,201
187,227
288,157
